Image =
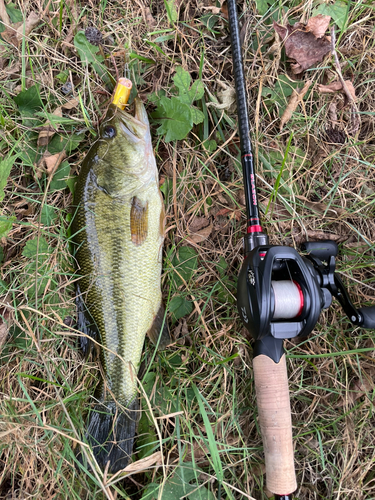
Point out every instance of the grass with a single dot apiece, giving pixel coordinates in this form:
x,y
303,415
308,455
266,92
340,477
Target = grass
x,y
199,407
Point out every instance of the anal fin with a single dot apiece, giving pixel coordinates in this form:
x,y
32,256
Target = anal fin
x,y
159,331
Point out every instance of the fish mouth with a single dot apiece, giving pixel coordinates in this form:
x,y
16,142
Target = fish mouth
x,y
136,124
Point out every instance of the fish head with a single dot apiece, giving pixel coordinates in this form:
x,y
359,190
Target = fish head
x,y
124,143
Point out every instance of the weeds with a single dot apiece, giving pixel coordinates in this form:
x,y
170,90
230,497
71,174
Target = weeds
x,y
199,409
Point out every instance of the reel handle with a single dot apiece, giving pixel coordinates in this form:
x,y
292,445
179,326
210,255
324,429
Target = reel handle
x,y
272,391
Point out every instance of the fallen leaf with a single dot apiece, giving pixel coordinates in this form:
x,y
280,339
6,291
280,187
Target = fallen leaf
x,y
233,213
302,45
295,99
49,163
201,235
318,25
319,236
337,87
211,8
31,22
144,463
198,223
14,33
224,11
3,334
4,14
48,130
148,17
227,98
241,197
322,208
332,112
360,387
5,318
73,103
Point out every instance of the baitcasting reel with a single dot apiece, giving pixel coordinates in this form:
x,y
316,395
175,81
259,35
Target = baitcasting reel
x,y
283,293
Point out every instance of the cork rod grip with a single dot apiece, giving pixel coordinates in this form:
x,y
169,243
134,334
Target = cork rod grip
x,y
271,385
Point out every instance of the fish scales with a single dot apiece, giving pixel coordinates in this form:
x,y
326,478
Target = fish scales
x,y
123,285
118,228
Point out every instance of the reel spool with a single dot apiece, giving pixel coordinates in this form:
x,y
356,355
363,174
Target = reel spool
x,y
288,300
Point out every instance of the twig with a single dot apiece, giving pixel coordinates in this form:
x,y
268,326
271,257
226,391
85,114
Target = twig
x,y
356,119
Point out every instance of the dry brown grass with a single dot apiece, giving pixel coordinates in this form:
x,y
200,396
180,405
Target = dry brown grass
x,y
329,189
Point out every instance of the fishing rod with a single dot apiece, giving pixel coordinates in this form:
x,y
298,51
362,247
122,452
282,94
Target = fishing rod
x,y
280,295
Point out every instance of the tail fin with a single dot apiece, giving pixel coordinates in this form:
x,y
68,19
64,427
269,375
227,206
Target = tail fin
x,y
110,433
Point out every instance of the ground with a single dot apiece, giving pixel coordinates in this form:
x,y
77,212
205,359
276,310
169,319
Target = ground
x,y
316,181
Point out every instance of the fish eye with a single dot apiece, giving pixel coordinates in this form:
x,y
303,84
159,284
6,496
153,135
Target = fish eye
x,y
109,132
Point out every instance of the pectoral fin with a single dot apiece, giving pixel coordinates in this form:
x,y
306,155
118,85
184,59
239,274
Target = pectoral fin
x,y
138,221
159,328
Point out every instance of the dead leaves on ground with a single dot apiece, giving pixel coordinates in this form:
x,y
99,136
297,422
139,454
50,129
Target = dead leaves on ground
x,y
48,130
199,230
362,386
15,32
305,43
313,235
337,86
295,99
49,163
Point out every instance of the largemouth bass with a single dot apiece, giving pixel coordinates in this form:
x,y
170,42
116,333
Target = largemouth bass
x,y
118,228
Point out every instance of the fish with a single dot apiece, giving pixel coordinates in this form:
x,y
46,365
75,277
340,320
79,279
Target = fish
x,y
118,234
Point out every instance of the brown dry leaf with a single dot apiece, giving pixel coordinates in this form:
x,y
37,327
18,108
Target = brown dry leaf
x,y
241,197
302,45
337,87
201,235
224,10
49,163
233,213
3,334
73,103
295,99
48,131
319,236
198,223
148,17
318,25
4,14
14,33
6,305
332,112
227,98
145,463
322,208
211,8
359,388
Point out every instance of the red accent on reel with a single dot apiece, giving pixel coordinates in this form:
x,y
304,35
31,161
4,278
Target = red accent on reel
x,y
301,298
255,229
